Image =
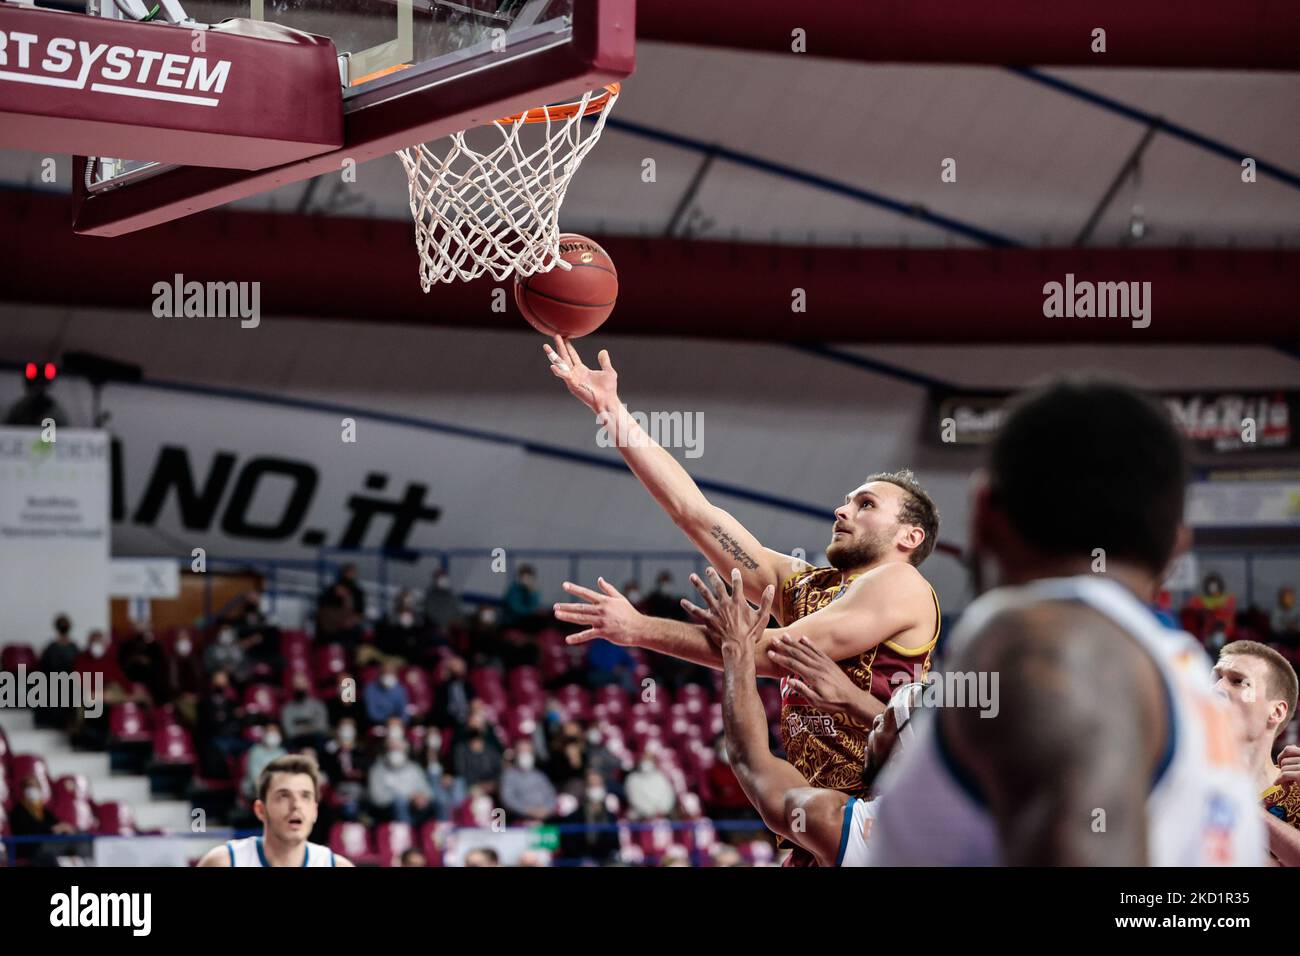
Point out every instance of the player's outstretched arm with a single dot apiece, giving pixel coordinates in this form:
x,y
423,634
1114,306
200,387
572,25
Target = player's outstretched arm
x,y
1077,733
217,856
780,793
342,861
719,536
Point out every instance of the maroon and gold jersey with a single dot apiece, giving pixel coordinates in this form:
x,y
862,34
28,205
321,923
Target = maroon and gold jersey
x,y
830,749
1283,801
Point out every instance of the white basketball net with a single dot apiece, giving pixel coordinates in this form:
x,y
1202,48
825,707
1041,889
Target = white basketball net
x,y
498,212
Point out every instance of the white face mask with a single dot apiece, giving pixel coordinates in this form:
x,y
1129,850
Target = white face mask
x,y
183,647
396,759
595,794
97,650
389,680
226,637
347,733
272,740
633,597
594,738
33,794
406,619
443,583
525,761
435,768
395,732
647,766
433,743
489,616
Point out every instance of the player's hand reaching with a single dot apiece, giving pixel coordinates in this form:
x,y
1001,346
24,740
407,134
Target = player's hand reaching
x,y
609,615
728,619
1288,761
595,388
814,675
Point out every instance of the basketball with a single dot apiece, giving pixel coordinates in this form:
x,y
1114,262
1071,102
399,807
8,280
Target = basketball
x,y
575,302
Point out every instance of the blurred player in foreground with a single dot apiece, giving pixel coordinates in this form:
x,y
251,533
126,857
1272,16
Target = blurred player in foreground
x,y
1110,746
288,794
829,824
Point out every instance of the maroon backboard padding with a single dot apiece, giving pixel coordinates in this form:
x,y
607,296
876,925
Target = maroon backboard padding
x,y
142,91
601,51
367,270
1195,34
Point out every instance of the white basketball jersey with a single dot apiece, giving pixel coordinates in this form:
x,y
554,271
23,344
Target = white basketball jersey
x,y
249,852
1201,810
856,832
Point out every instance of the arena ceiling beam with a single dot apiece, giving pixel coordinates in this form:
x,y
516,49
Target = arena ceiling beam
x,y
675,287
1204,34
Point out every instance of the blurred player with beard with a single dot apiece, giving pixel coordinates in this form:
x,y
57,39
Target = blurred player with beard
x,y
1110,746
870,610
288,794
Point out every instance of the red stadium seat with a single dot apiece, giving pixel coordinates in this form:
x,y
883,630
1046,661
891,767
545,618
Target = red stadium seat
x,y
77,812
129,723
523,679
352,840
15,655
419,690
392,840
172,745
262,700
5,752
433,840
114,817
295,644
328,663
23,765
75,785
694,698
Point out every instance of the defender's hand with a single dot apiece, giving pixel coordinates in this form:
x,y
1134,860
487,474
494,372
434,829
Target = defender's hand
x,y
729,619
608,615
597,389
814,675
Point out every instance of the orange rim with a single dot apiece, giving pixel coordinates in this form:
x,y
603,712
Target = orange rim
x,y
563,111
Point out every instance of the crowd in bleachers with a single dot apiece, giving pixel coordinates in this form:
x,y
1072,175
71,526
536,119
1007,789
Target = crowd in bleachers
x,y
428,718
1213,615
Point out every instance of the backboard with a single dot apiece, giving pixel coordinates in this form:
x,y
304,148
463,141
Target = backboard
x,y
410,71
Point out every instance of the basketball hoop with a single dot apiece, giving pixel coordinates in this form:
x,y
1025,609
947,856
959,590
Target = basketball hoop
x,y
498,212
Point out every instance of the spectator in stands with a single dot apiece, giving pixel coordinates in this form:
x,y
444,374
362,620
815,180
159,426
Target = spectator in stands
x,y
401,634
442,605
344,703
649,791
720,790
609,663
413,856
600,840
1285,620
1218,612
270,747
449,791
305,718
399,790
219,726
226,654
600,759
347,767
664,601
337,619
452,698
632,591
726,855
482,856
31,817
525,792
91,733
568,762
185,678
521,605
259,638
58,657
349,579
476,758
144,662
386,697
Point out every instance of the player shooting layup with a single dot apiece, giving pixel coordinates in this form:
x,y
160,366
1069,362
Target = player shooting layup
x,y
288,791
871,610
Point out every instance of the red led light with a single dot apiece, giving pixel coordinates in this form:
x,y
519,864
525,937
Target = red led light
x,y
31,370
50,371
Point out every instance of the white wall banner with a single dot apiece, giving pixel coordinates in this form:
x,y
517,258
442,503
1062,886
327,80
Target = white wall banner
x,y
1244,504
54,532
145,578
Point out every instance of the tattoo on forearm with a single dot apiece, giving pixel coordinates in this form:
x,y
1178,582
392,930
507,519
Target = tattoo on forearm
x,y
733,549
